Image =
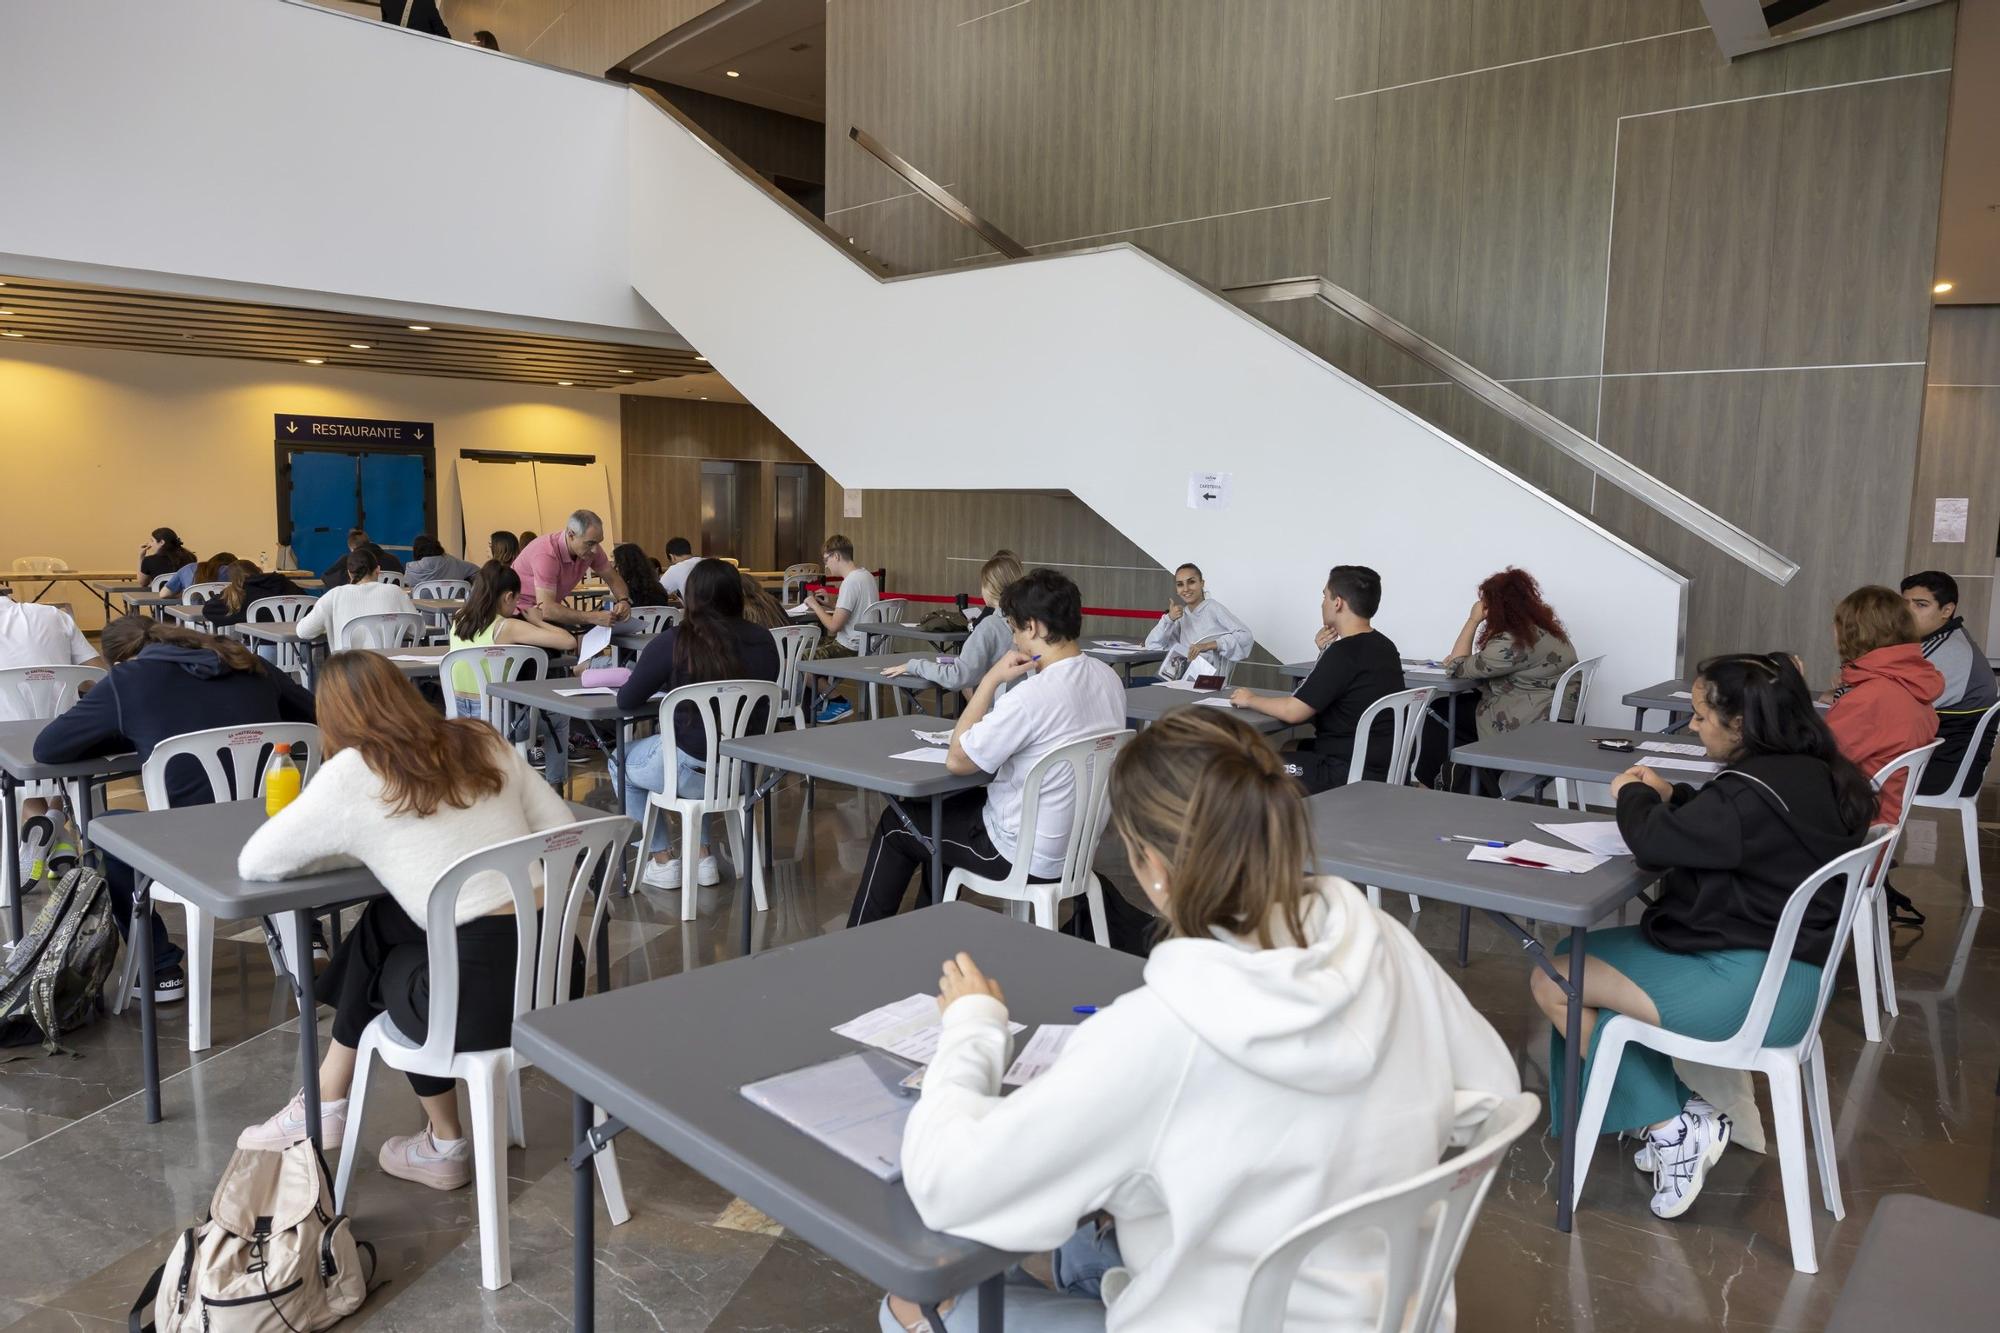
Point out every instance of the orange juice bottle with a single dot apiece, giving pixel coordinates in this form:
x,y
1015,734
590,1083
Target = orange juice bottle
x,y
281,780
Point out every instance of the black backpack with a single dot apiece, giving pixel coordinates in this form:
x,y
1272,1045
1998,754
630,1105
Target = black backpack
x,y
54,980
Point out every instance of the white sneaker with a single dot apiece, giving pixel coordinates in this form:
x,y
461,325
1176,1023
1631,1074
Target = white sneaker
x,y
1684,1150
417,1157
661,874
1646,1159
708,874
288,1126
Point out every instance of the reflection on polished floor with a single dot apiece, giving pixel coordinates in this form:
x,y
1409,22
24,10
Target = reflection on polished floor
x,y
90,1195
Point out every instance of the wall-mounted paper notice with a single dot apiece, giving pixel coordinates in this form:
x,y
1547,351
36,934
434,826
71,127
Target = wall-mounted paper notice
x,y
1208,490
850,504
1948,519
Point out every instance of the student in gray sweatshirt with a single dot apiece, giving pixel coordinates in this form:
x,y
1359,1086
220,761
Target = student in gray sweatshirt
x,y
991,638
1969,688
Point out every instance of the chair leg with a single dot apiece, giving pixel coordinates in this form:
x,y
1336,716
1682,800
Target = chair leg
x,y
1788,1122
1883,961
357,1102
1044,903
645,852
1590,1109
487,1095
200,969
691,831
517,1124
1865,970
1562,793
1819,1108
1100,924
950,894
1374,896
611,1182
759,895
1416,904
1968,823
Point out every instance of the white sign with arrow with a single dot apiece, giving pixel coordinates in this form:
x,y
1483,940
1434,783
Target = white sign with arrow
x,y
1208,490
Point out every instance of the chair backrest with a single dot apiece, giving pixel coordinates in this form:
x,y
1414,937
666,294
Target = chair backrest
x,y
728,709
1402,708
383,631
392,577
488,664
197,593
278,610
40,564
1424,1221
444,590
1088,761
653,619
794,643
1971,757
232,758
159,583
1579,676
888,611
44,691
796,577
563,862
1910,766
1855,869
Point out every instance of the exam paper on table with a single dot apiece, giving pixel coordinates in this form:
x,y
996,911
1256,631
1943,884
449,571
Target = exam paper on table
x,y
908,1027
1600,837
1674,747
849,1104
1546,857
595,641
932,737
930,755
1118,646
1041,1053
414,657
1217,702
600,689
1688,765
1682,694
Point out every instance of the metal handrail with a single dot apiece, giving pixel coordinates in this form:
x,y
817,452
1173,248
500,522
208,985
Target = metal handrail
x,y
1636,482
938,195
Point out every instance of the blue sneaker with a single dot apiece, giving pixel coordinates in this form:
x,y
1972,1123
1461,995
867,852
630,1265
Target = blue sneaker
x,y
833,710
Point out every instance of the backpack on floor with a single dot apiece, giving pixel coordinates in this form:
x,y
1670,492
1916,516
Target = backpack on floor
x,y
53,982
272,1257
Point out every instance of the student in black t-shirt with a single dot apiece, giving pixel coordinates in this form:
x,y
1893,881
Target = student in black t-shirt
x,y
1357,665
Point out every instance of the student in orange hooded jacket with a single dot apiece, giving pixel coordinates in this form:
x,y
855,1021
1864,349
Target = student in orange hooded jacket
x,y
1883,705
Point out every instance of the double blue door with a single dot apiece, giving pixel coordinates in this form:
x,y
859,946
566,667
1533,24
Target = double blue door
x,y
386,493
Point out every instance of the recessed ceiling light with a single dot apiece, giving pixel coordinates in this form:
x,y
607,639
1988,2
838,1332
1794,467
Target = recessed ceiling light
x,y
564,384
625,372
732,73
313,360
10,333
4,313
702,359
359,347
1940,288
704,398
420,328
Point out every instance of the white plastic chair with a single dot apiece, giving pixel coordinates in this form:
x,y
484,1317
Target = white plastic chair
x,y
1424,1222
1797,1073
493,663
197,594
40,564
796,577
284,610
653,619
1871,927
443,590
384,631
41,692
1581,675
1403,708
565,859
1088,763
888,611
232,759
1966,806
728,710
795,642
393,577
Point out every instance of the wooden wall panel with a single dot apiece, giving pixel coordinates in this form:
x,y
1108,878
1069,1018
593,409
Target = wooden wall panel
x,y
589,36
665,441
1958,456
770,141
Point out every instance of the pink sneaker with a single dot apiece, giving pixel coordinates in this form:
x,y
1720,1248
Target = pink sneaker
x,y
288,1126
416,1157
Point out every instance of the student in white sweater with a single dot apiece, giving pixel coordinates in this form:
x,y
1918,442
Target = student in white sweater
x,y
405,793
364,594
1291,1048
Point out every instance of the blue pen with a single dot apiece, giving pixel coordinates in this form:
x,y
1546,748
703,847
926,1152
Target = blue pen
x,y
1476,842
1083,1008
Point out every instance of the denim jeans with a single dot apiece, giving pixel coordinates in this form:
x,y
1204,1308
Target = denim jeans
x,y
123,884
1074,1306
646,772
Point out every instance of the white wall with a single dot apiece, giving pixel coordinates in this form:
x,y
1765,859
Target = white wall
x,y
1106,374
285,146
100,447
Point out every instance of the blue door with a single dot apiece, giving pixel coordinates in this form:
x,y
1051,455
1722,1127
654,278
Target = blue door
x,y
392,500
323,506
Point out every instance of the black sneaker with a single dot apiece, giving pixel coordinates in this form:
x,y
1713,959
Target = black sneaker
x,y
169,986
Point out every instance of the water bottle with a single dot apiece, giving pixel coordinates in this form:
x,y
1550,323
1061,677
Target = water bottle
x,y
281,780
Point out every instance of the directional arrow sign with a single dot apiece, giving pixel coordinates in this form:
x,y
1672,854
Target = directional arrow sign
x,y
1208,490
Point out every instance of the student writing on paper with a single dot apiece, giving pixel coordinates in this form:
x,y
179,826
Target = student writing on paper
x,y
363,594
1515,646
1291,1048
405,792
990,641
1058,695
1357,665
636,568
1733,852
712,642
493,615
1196,625
680,564
839,638
551,566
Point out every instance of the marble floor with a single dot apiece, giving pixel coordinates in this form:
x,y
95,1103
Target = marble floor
x,y
91,1196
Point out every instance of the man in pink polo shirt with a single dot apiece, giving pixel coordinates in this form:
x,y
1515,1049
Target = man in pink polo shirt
x,y
550,567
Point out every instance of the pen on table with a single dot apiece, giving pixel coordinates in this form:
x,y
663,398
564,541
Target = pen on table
x,y
1083,1008
1466,837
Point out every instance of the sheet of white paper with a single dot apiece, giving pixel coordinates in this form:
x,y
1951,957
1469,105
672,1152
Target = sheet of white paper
x,y
845,1104
1544,856
908,1027
1217,702
798,610
1202,666
1119,646
588,689
932,737
1682,694
1948,519
1674,747
1599,837
1687,765
926,756
413,657
595,640
1041,1052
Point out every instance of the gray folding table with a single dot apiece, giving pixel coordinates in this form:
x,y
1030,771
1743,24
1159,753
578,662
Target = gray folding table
x,y
1924,1266
1675,698
1123,658
193,850
150,603
1389,837
1568,752
872,671
19,767
861,754
896,630
544,696
1148,703
676,1084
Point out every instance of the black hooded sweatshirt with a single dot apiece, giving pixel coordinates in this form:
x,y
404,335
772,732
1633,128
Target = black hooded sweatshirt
x,y
166,691
1735,851
255,588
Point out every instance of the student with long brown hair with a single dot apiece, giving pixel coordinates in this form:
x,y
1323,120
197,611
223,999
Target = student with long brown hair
x,y
1517,648
247,584
404,792
215,569
1291,1048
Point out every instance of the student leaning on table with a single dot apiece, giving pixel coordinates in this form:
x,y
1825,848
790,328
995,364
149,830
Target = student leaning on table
x,y
1197,625
1515,646
363,594
405,793
1292,1048
1786,802
491,615
990,640
550,568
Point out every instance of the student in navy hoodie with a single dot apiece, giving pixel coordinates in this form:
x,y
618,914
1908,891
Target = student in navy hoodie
x,y
166,681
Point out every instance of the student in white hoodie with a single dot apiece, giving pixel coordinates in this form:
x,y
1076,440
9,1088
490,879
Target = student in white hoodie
x,y
1292,1048
364,594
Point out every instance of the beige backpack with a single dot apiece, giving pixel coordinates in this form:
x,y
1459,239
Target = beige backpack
x,y
273,1257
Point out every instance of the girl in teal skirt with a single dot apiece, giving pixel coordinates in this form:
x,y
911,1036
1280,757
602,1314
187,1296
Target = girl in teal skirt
x,y
1733,852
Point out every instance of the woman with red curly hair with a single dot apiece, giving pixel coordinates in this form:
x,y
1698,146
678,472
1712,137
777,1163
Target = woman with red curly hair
x,y
1514,645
